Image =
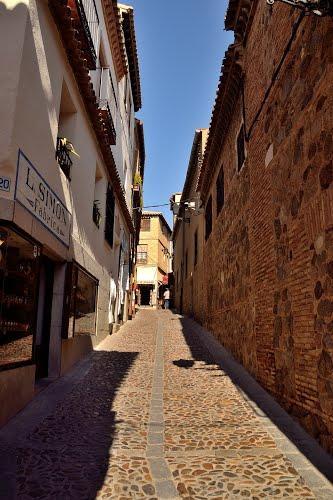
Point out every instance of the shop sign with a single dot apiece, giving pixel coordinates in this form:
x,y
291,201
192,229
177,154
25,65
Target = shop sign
x,y
33,192
165,280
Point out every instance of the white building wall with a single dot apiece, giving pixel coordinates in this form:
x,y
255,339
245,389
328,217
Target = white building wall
x,y
34,71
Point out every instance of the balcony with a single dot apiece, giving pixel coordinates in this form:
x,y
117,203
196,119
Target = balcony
x,y
89,33
107,104
97,216
137,191
63,158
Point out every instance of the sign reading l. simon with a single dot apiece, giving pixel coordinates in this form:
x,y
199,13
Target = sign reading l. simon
x,y
36,196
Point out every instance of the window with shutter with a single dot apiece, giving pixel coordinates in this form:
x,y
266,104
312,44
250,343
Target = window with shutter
x,y
208,218
109,215
142,254
220,191
145,224
241,148
195,248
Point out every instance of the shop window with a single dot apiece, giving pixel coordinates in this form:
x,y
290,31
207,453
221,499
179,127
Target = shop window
x,y
145,224
19,270
82,302
240,148
195,248
208,218
220,191
142,254
109,215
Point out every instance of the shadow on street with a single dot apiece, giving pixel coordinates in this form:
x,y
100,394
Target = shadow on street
x,y
265,405
67,454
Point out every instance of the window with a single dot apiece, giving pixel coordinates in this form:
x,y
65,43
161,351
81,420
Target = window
x,y
195,248
109,215
186,262
240,148
220,191
142,254
145,225
98,193
82,302
208,218
66,129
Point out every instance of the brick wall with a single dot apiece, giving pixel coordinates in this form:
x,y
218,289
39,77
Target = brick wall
x,y
264,285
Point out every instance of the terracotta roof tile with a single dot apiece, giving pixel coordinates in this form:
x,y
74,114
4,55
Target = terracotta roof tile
x,y
227,94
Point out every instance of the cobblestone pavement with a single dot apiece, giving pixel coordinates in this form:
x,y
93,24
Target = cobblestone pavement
x,y
156,412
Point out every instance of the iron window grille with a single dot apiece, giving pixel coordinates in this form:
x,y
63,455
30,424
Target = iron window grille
x,y
196,247
240,148
63,158
186,264
89,19
220,191
107,104
208,218
109,215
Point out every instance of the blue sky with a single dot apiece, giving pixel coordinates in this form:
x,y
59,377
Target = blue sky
x,y
181,44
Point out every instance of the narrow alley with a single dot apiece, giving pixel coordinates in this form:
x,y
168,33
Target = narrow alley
x,y
159,411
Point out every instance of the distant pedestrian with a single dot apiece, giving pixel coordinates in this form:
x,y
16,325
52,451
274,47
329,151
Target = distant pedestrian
x,y
166,297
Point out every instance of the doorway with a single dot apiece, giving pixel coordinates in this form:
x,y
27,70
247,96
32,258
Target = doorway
x,y
145,294
45,298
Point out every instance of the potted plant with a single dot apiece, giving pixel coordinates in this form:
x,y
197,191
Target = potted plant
x,y
137,182
68,146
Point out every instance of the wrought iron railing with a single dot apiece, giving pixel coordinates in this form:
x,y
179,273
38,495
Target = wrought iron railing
x,y
89,18
63,158
107,103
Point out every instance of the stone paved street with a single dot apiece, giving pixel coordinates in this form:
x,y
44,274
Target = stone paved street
x,y
159,411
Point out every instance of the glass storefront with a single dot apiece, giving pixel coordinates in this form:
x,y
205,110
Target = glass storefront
x,y
19,269
83,300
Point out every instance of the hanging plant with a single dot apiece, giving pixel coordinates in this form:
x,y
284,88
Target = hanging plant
x,y
97,216
68,145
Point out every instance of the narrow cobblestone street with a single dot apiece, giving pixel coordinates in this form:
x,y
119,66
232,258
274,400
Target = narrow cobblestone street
x,y
153,415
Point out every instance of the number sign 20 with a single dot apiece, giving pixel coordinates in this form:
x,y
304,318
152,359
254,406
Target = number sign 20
x,y
4,184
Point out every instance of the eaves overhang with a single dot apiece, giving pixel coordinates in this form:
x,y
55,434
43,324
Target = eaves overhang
x,y
141,141
229,87
193,166
149,214
114,31
238,15
132,53
63,17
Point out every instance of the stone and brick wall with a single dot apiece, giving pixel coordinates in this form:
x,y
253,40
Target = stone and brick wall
x,y
264,285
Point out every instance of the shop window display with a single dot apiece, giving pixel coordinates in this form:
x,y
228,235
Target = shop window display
x,y
19,265
83,298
